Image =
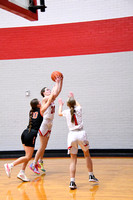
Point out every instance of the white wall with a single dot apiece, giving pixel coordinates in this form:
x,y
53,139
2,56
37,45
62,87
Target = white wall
x,y
103,84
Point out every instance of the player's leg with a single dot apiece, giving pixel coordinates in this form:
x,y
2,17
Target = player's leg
x,y
40,161
84,144
73,165
89,165
73,171
24,159
72,145
39,153
88,161
29,152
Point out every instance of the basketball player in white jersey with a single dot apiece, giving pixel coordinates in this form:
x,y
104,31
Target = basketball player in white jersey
x,y
46,126
76,136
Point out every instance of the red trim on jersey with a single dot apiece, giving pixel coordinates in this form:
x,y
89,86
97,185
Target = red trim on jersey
x,y
86,145
69,147
82,38
48,132
75,120
40,133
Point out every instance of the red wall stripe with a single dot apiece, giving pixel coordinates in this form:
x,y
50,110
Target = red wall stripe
x,y
83,38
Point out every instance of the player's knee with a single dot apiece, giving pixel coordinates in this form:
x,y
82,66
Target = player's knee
x,y
86,153
28,157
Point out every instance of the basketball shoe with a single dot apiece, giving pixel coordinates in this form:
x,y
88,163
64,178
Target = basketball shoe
x,y
92,178
72,185
40,165
34,168
23,177
8,169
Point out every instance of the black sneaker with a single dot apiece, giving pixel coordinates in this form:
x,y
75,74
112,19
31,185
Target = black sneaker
x,y
92,178
72,185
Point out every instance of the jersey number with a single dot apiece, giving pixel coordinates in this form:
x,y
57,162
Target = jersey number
x,y
35,114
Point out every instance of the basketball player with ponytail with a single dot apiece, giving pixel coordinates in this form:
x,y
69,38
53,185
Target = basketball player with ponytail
x,y
76,136
28,137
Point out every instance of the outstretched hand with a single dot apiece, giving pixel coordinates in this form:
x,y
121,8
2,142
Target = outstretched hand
x,y
59,78
71,94
60,101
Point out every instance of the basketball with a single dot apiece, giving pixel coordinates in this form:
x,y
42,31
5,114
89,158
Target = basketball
x,y
56,74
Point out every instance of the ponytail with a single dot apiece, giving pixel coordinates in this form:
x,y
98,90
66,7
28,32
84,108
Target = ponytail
x,y
30,120
71,104
72,111
34,103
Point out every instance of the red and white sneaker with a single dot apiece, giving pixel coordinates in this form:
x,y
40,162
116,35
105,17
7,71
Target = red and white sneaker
x,y
8,169
23,177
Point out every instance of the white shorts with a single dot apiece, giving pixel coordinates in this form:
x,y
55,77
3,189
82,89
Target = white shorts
x,y
75,138
45,128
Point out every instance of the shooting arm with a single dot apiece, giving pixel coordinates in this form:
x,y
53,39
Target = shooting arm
x,y
46,103
58,86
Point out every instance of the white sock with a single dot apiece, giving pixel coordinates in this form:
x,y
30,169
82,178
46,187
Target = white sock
x,y
40,160
72,179
11,165
90,173
34,163
22,171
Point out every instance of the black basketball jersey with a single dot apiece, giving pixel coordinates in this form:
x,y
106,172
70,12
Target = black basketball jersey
x,y
36,119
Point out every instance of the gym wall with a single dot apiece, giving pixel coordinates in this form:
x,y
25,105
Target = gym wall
x,y
92,45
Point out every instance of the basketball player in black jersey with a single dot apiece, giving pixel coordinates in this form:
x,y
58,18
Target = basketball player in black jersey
x,y
28,137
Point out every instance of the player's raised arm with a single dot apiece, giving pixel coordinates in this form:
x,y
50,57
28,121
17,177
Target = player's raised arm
x,y
58,86
60,107
58,78
45,104
72,95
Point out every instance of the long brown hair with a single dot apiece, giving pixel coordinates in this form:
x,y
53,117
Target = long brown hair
x,y
42,91
71,104
33,104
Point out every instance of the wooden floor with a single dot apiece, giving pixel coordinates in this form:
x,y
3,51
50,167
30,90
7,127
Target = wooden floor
x,y
115,176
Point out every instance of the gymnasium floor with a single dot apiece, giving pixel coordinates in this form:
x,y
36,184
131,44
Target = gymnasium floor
x,y
115,181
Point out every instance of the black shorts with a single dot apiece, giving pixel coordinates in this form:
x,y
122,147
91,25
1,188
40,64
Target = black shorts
x,y
29,138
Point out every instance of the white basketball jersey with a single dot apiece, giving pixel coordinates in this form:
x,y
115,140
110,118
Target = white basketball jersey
x,y
49,113
78,123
